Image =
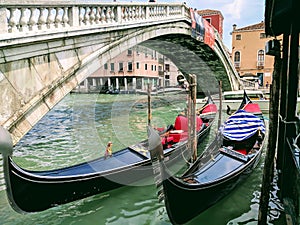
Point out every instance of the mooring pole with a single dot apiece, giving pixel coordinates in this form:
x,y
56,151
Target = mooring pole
x,y
193,91
268,172
191,115
149,104
220,104
283,102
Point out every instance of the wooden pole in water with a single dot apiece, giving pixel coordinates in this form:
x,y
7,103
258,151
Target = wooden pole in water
x,y
193,93
268,171
220,104
149,104
283,104
191,115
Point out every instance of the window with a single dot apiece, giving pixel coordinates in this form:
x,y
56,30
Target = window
x,y
238,37
121,66
262,35
260,58
146,66
112,67
129,66
152,67
167,67
105,66
137,65
237,59
129,52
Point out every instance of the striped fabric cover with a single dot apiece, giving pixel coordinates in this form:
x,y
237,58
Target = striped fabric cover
x,y
242,125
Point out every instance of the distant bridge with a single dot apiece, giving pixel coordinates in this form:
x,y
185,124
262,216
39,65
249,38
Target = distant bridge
x,y
48,47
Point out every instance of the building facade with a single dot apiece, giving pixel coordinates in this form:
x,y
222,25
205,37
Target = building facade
x,y
132,70
248,54
214,17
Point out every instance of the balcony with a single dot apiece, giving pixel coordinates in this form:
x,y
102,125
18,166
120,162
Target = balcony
x,y
237,65
260,65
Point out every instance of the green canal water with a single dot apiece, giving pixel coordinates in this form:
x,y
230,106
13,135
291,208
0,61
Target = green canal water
x,y
78,129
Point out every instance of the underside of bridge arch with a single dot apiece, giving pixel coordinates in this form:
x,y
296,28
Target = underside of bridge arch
x,y
193,57
38,76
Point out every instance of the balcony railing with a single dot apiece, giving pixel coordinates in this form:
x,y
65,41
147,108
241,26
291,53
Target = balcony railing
x,y
260,64
237,64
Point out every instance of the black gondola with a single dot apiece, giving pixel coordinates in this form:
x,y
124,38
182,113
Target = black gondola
x,y
33,191
220,168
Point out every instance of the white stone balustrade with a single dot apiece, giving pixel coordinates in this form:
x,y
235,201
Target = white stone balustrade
x,y
35,17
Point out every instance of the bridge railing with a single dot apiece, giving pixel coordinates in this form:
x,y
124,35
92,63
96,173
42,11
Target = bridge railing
x,y
31,17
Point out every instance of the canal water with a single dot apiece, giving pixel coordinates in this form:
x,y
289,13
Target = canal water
x,y
78,129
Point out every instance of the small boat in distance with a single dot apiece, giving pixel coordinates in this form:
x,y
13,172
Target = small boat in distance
x,y
230,158
232,99
33,191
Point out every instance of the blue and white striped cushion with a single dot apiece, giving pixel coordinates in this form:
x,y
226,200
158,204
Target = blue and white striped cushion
x,y
242,125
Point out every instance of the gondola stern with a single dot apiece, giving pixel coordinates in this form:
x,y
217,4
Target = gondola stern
x,y
6,144
157,157
9,187
155,145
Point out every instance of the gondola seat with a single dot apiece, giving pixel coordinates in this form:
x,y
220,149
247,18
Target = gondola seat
x,y
166,140
242,146
181,123
178,135
210,108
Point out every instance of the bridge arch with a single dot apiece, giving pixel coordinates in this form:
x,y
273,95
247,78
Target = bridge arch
x,y
36,94
38,70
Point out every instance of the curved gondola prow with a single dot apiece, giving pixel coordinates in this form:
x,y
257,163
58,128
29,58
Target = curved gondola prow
x,y
251,107
246,100
6,149
248,106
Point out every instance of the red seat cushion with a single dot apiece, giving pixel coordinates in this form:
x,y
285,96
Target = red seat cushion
x,y
242,151
177,137
210,108
168,139
181,123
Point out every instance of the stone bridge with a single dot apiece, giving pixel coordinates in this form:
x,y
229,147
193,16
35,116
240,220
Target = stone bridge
x,y
48,47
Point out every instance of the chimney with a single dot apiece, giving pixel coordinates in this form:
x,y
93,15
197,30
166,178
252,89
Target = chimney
x,y
234,27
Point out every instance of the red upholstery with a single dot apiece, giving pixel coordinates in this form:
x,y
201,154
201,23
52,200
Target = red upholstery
x,y
252,108
199,123
181,123
209,108
160,129
168,139
177,137
242,151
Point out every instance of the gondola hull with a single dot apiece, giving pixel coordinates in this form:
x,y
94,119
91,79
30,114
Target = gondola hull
x,y
191,199
31,191
230,158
